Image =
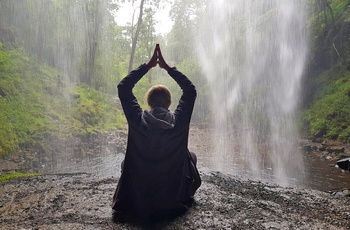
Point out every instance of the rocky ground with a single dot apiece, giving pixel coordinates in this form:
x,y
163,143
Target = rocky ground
x,y
82,201
325,148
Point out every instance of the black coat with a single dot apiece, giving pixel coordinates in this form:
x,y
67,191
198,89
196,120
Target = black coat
x,y
158,176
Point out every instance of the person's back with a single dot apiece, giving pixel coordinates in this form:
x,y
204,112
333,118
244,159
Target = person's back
x,y
159,176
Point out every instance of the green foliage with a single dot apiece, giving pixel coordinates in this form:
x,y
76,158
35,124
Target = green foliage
x,y
328,84
341,9
37,102
16,111
10,176
330,113
95,111
79,37
324,17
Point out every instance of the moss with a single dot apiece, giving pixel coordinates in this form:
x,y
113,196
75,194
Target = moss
x,y
95,111
329,115
10,176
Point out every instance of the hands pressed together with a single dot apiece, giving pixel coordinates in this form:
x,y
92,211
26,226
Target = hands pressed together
x,y
157,58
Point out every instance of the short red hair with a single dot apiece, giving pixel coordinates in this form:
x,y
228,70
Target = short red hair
x,y
158,96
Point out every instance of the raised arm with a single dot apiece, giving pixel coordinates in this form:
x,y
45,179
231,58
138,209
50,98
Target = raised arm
x,y
131,107
184,109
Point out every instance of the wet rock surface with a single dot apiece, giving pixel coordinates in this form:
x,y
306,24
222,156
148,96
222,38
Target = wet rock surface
x,y
82,201
325,148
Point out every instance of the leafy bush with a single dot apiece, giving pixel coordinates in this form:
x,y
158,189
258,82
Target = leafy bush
x,y
330,114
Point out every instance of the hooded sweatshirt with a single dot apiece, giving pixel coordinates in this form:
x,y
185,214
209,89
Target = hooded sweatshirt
x,y
158,177
158,118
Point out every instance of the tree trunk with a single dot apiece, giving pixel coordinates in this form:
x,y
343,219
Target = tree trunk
x,y
135,38
92,34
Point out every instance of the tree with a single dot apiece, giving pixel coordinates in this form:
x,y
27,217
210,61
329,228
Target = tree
x,y
186,15
94,17
134,37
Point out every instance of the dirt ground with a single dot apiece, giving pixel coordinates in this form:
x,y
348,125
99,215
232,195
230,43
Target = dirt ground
x,y
81,201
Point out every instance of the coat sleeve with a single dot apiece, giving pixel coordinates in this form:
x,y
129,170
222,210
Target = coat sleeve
x,y
184,109
131,107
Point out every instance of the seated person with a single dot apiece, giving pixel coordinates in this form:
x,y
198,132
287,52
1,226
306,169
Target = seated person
x,y
159,175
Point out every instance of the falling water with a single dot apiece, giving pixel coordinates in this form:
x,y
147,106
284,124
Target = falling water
x,y
253,55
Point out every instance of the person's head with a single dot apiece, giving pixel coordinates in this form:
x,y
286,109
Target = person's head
x,y
158,96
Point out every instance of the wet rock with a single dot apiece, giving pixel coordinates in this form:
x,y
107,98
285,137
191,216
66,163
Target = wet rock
x,y
80,201
335,149
322,148
344,163
2,93
348,68
319,134
306,148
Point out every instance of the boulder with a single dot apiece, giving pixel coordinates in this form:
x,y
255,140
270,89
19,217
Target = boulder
x,y
335,149
2,93
344,163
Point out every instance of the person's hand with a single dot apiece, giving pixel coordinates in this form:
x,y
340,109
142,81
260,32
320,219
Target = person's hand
x,y
161,61
154,59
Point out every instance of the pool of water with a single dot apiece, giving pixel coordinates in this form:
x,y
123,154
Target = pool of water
x,y
320,174
324,175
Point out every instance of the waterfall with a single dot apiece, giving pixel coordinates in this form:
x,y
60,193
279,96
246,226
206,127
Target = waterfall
x,y
253,54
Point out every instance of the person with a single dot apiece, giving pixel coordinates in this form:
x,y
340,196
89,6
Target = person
x,y
159,175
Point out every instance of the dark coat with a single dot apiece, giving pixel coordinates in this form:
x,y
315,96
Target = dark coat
x,y
158,176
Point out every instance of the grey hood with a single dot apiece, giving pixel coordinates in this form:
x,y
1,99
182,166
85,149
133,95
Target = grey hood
x,y
158,118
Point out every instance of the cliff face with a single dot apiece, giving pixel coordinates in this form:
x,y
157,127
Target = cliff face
x,y
326,86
